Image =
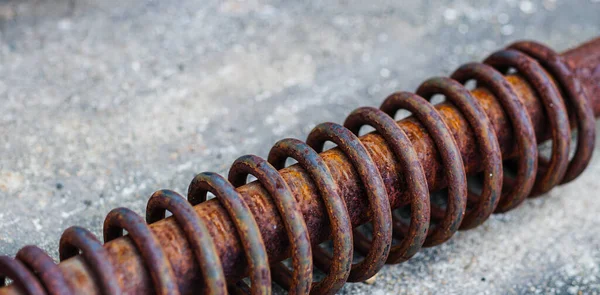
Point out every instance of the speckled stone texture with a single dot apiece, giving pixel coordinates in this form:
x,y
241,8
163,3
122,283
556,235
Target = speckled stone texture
x,y
104,102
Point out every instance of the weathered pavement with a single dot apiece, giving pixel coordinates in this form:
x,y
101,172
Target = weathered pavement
x,y
104,102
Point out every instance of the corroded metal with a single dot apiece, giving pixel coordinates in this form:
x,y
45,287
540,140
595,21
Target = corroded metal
x,y
338,268
157,263
426,114
574,93
75,240
522,128
556,114
285,213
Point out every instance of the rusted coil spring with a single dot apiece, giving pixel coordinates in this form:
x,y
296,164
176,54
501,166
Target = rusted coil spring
x,y
34,271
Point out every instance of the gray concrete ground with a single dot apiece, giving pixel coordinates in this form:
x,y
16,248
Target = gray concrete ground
x,y
104,102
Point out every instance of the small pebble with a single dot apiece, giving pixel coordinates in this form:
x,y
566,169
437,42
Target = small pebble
x,y
527,7
371,280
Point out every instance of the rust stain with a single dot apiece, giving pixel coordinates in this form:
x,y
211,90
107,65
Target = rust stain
x,y
209,246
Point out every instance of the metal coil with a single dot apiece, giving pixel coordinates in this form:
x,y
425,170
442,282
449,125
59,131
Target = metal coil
x,y
394,239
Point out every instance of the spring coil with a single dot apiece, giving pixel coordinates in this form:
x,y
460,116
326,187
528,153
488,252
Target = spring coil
x,y
429,225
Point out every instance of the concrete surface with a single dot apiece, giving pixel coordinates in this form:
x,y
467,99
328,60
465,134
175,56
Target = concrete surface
x,y
104,102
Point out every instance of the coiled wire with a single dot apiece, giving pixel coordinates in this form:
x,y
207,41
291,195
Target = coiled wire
x,y
428,225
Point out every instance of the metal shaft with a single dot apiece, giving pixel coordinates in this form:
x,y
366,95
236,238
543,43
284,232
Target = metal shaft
x,y
131,271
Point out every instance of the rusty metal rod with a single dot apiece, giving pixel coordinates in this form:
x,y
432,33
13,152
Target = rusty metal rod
x,y
129,267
